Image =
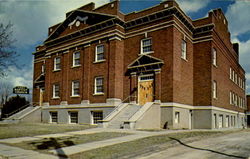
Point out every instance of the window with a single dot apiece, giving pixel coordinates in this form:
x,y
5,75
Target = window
x,y
233,75
75,88
99,85
227,122
57,63
239,81
214,89
215,121
214,54
236,78
220,121
177,117
230,98
233,102
230,73
184,49
97,116
73,116
54,117
43,69
146,46
76,59
244,86
236,100
56,91
99,53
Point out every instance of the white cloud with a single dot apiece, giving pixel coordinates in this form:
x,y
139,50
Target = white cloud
x,y
32,18
238,17
192,5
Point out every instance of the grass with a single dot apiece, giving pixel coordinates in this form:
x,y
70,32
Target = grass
x,y
46,144
142,146
21,130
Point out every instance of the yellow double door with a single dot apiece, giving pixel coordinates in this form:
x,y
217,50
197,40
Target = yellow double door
x,y
145,92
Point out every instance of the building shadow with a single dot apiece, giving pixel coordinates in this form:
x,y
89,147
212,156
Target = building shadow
x,y
53,143
202,149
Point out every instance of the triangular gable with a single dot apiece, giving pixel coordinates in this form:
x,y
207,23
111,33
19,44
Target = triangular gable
x,y
87,17
144,61
40,79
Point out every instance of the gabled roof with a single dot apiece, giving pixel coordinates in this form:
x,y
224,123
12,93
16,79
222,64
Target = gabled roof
x,y
93,18
145,62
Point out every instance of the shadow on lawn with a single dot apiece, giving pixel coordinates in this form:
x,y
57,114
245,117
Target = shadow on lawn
x,y
202,149
52,143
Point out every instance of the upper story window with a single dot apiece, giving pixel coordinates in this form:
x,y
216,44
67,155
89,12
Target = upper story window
x,y
75,88
99,86
214,89
43,69
56,91
184,49
99,53
233,74
230,73
146,46
76,59
57,63
214,57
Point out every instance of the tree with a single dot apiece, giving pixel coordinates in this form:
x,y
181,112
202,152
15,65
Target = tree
x,y
13,104
6,89
7,53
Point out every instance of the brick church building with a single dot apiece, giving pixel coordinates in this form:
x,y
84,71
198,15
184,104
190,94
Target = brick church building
x,y
155,68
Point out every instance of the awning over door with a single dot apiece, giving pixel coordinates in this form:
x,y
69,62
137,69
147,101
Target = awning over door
x,y
145,63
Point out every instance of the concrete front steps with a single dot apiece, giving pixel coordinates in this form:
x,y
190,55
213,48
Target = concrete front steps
x,y
29,114
132,116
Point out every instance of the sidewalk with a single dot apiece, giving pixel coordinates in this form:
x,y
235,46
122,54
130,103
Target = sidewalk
x,y
18,153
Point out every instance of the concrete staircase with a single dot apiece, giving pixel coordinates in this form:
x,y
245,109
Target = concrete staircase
x,y
117,118
21,115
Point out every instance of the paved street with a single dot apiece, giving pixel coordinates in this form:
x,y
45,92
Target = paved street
x,y
230,146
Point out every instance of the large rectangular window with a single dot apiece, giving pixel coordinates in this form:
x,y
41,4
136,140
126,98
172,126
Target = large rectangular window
x,y
214,89
54,117
99,53
76,59
146,46
184,49
97,116
73,117
56,91
99,85
75,88
57,63
214,56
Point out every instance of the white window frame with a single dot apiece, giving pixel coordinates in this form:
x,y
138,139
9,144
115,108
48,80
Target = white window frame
x,y
70,117
56,63
236,100
230,73
184,49
73,89
230,97
54,91
214,56
214,87
96,85
76,59
53,117
142,46
233,76
98,53
236,78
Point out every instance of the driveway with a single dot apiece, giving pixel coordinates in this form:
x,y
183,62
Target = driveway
x,y
231,146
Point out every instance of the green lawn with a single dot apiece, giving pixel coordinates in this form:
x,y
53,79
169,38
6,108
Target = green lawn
x,y
21,130
46,144
142,146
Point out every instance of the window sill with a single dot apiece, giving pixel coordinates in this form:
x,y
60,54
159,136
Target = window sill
x,y
184,59
100,61
55,98
216,66
98,94
76,66
57,70
146,53
75,96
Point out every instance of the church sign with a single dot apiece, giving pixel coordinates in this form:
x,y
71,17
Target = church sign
x,y
20,90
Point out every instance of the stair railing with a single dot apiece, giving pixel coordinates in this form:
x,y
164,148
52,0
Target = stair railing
x,y
119,105
19,109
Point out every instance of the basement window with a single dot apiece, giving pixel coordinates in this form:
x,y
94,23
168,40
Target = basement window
x,y
73,117
54,117
97,116
177,117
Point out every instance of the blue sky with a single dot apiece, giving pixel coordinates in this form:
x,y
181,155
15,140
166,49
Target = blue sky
x,y
31,19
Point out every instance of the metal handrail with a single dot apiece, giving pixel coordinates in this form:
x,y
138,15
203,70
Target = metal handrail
x,y
19,109
119,105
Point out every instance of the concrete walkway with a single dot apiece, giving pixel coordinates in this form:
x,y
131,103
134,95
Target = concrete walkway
x,y
18,153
